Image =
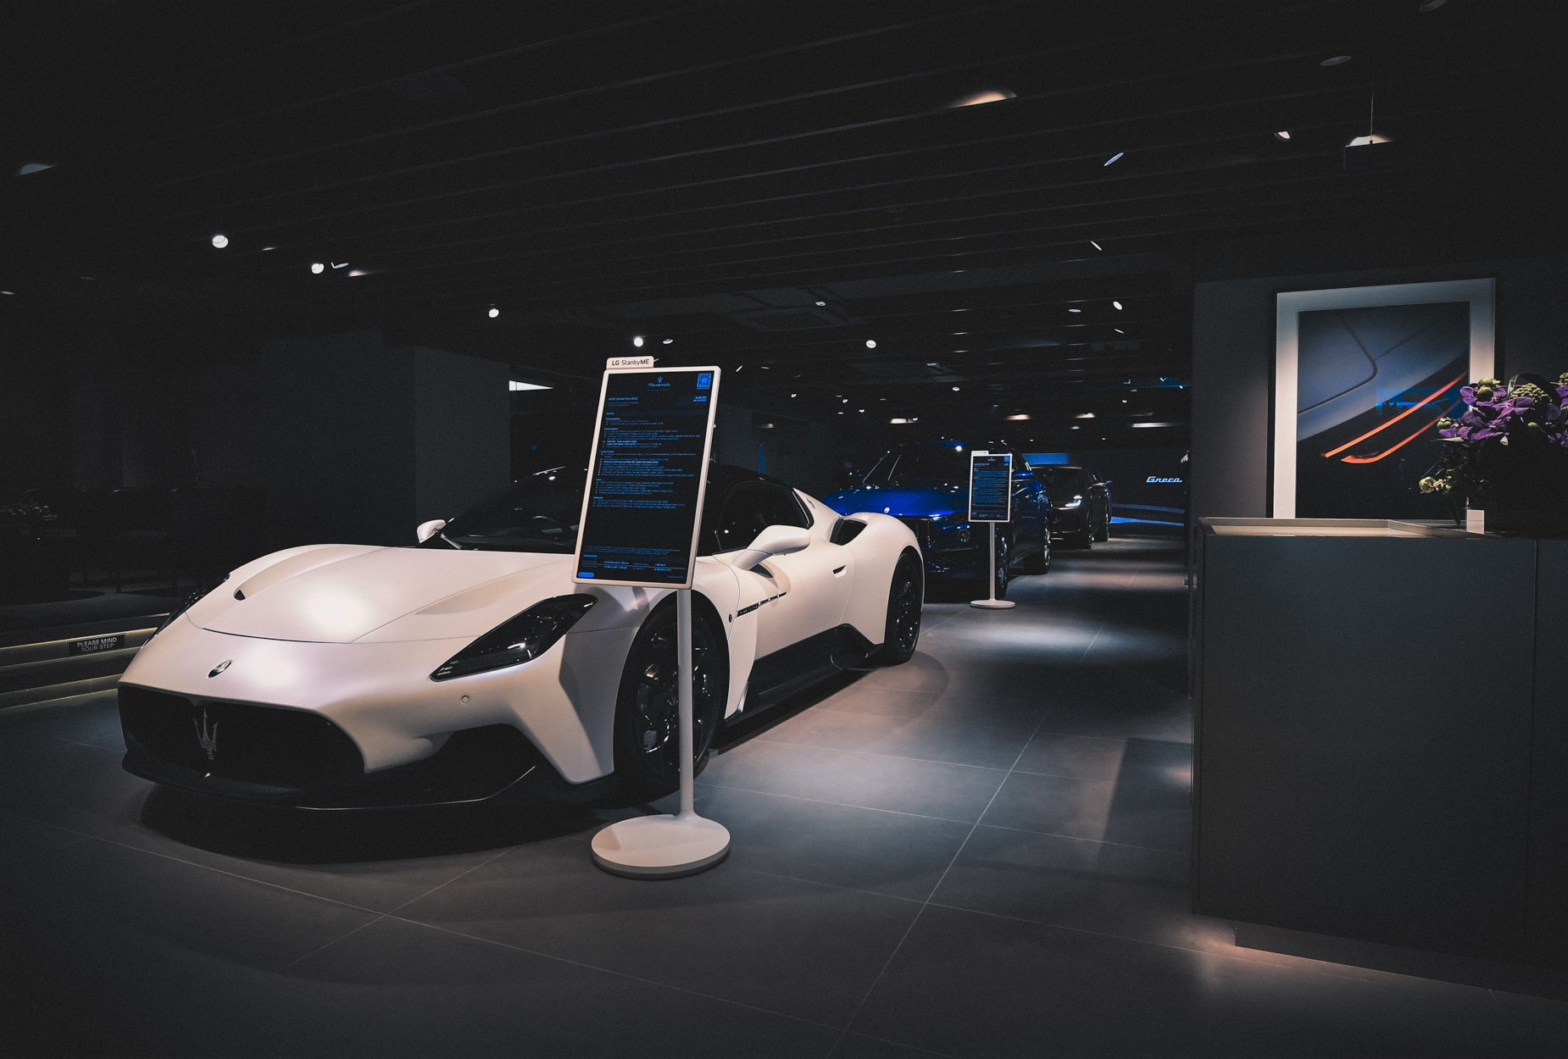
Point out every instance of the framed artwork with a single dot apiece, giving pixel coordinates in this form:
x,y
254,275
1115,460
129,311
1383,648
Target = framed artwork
x,y
1362,374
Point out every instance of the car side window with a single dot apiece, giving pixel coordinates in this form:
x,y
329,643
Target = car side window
x,y
752,507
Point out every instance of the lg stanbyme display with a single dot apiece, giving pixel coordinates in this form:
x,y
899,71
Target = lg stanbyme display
x,y
640,511
990,486
1362,376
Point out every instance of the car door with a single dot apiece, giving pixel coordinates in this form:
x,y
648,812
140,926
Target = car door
x,y
810,587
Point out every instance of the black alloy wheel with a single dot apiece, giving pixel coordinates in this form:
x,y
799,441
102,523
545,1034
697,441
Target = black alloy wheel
x,y
647,709
905,597
1103,532
1004,561
1040,561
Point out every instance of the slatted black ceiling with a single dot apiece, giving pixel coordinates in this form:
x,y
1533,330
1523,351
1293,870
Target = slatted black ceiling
x,y
709,172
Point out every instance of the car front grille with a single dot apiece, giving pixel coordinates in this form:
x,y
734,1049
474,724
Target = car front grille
x,y
239,741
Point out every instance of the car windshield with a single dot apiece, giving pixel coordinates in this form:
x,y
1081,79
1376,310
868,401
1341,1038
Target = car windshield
x,y
1065,477
538,514
946,464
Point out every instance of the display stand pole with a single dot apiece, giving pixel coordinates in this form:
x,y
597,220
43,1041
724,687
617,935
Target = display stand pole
x,y
666,846
991,602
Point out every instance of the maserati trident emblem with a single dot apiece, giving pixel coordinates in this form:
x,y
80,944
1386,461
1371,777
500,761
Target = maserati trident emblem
x,y
207,737
221,666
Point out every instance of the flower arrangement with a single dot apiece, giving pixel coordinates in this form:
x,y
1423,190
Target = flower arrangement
x,y
1509,446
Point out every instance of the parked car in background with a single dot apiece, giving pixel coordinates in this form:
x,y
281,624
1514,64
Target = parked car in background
x,y
925,485
1080,504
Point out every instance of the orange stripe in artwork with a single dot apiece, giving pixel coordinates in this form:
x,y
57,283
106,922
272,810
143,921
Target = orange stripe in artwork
x,y
1384,426
1388,452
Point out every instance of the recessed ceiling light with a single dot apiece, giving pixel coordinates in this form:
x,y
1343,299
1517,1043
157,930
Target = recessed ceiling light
x,y
1084,415
669,341
220,240
318,268
871,343
1113,158
1075,310
637,341
840,411
1118,330
1141,426
1117,304
7,292
955,389
494,312
266,248
29,168
1362,141
821,303
1018,417
990,95
898,420
1075,426
359,272
1335,60
862,410
1282,134
1097,246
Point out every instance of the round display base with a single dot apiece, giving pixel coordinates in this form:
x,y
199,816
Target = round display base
x,y
660,847
993,604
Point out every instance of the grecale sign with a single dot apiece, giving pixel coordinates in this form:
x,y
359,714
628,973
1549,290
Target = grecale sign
x,y
650,458
990,486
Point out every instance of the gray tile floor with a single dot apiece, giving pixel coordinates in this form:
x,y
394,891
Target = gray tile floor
x,y
981,853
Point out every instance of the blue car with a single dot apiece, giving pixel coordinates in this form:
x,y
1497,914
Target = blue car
x,y
926,486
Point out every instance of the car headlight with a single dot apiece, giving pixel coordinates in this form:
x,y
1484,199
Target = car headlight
x,y
1076,501
518,640
188,602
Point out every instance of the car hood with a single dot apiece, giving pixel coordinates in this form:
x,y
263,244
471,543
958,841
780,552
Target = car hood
x,y
339,594
909,501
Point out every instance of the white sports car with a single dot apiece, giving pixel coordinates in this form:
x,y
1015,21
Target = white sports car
x,y
471,667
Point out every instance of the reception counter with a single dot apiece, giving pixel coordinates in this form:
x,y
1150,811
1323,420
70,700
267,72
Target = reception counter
x,y
1381,733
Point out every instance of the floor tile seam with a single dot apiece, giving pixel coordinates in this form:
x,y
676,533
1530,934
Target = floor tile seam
x,y
916,689
611,971
237,875
1080,735
1080,838
914,922
322,948
1142,786
890,757
448,882
839,805
1238,956
827,704
830,885
888,1040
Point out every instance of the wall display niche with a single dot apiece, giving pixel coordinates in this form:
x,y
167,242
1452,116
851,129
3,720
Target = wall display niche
x,y
1361,376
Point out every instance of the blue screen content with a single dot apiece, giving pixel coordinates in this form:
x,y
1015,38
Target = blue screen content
x,y
647,470
990,480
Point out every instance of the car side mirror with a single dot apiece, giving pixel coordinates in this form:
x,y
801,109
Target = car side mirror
x,y
429,529
775,540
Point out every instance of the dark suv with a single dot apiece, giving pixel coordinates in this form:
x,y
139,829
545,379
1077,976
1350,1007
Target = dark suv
x,y
1080,504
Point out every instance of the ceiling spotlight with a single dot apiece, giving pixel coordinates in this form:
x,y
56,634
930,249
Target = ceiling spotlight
x,y
898,421
669,341
1097,246
1075,310
1118,330
992,95
1335,60
843,400
1116,304
7,292
318,268
794,395
862,410
637,341
220,240
1084,415
494,312
1112,159
955,389
1282,134
821,303
1017,418
871,343
266,248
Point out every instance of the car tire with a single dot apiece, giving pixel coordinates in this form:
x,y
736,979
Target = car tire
x,y
905,598
1104,532
1004,563
1040,561
647,707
